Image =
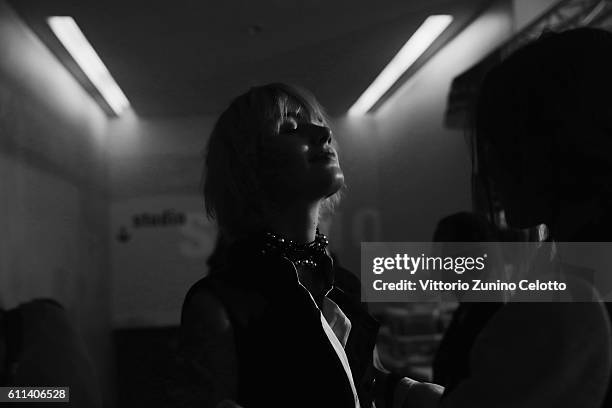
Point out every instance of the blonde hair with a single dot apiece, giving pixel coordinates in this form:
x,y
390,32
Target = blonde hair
x,y
234,188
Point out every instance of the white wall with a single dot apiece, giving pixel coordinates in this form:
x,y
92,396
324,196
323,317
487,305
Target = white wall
x,y
155,168
424,167
53,204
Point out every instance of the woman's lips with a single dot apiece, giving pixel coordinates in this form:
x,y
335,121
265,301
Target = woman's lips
x,y
324,157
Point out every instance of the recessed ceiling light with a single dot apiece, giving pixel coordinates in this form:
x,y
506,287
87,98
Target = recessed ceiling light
x,y
418,43
73,39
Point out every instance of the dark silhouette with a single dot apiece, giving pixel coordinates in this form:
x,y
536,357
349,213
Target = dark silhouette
x,y
42,348
542,139
451,362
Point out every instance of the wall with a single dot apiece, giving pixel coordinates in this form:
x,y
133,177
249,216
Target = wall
x,y
53,203
425,168
159,236
526,11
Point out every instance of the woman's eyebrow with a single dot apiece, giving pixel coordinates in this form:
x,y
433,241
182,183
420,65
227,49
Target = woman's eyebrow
x,y
302,114
295,113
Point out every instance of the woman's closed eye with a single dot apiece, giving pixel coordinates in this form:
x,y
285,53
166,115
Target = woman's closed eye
x,y
288,125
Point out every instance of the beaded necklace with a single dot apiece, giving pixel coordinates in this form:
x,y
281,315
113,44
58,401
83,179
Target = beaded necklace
x,y
300,254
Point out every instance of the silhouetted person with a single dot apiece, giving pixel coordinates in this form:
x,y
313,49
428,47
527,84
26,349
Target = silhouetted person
x,y
543,138
451,362
556,94
541,130
42,348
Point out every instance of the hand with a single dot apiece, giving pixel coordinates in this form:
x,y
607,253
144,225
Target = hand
x,y
415,394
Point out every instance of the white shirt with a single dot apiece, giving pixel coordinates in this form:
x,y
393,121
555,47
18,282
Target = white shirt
x,y
337,327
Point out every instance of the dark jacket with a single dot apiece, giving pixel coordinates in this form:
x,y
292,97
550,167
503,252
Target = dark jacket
x,y
284,357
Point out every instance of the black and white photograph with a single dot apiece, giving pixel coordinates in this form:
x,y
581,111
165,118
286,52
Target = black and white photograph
x,y
306,204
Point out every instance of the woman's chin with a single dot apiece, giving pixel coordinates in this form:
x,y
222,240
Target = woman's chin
x,y
327,185
318,184
335,184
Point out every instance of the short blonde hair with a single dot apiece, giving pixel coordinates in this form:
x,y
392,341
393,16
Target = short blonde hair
x,y
234,191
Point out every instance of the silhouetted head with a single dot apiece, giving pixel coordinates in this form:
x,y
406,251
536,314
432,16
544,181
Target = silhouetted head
x,y
544,125
271,148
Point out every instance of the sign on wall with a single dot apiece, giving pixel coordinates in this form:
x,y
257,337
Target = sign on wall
x,y
159,246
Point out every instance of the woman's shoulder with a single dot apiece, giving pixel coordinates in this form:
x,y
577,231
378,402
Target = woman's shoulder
x,y
203,306
220,303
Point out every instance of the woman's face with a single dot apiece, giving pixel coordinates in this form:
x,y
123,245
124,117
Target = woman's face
x,y
300,160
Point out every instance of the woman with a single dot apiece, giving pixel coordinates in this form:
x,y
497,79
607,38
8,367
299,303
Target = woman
x,y
267,327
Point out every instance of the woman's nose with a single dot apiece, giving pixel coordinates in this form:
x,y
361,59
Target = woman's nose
x,y
321,134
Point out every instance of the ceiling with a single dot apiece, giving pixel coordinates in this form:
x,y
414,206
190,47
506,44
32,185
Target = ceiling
x,y
188,57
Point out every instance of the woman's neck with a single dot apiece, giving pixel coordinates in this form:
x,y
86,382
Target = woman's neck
x,y
297,222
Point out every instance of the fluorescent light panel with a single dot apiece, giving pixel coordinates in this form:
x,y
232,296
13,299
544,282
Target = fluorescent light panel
x,y
72,38
422,38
